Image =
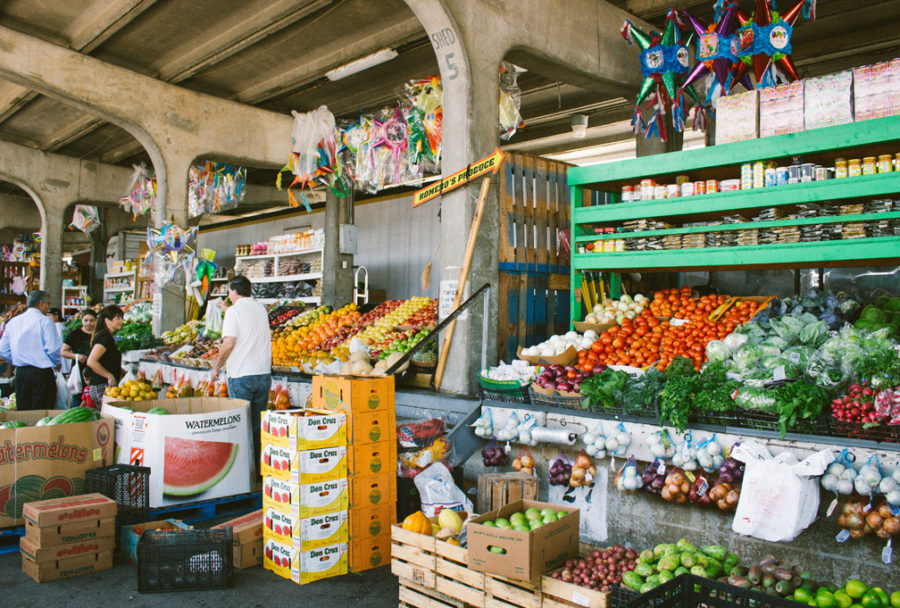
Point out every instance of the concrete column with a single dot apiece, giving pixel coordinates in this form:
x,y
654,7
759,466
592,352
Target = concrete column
x,y
51,254
337,268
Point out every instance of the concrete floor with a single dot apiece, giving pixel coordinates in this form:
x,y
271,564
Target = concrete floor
x,y
253,588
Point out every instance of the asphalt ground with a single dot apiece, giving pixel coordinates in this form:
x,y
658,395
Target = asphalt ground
x,y
251,588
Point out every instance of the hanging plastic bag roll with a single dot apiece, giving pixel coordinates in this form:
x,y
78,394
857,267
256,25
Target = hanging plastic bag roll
x,y
545,435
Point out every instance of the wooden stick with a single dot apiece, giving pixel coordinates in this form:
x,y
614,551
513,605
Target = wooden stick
x,y
461,282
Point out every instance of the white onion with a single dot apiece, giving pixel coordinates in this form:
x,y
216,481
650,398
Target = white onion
x,y
600,442
623,439
829,482
844,486
835,468
894,498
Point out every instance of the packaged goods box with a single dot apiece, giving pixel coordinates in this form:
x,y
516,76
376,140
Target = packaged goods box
x,y
201,450
351,394
304,429
247,538
40,462
523,555
304,466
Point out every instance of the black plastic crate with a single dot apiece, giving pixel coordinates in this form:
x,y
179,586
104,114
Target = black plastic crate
x,y
556,400
842,428
620,596
126,484
515,395
689,591
184,560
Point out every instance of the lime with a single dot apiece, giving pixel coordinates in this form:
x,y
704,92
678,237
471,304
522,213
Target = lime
x,y
802,595
855,588
495,549
521,527
895,599
825,599
548,511
842,598
882,595
489,524
516,518
533,524
871,600
502,522
532,511
561,514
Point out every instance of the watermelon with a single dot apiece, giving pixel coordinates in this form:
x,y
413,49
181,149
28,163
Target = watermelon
x,y
160,411
13,424
76,414
44,421
192,466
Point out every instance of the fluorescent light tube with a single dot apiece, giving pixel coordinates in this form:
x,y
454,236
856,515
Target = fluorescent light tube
x,y
361,64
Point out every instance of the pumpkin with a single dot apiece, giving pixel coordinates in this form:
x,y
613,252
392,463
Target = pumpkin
x,y
418,523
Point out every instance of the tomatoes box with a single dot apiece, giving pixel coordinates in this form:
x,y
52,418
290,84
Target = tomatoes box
x,y
246,538
36,553
522,555
303,429
368,459
43,572
369,522
351,394
37,462
201,450
48,536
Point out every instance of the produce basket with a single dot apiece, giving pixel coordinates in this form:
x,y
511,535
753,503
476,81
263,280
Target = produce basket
x,y
184,560
126,484
769,422
620,596
854,430
689,591
554,399
720,419
503,391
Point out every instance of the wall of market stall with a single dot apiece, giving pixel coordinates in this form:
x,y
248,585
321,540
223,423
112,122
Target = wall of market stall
x,y
395,241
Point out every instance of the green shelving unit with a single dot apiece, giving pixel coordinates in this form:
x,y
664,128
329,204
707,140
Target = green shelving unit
x,y
856,140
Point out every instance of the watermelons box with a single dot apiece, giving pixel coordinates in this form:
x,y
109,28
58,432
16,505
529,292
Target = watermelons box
x,y
50,461
197,449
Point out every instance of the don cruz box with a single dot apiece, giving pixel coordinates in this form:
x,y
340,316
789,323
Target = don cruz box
x,y
351,394
522,555
304,429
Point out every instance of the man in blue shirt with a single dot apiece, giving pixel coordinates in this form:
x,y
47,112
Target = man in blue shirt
x,y
32,345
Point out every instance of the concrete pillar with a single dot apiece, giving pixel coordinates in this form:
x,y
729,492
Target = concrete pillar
x,y
51,253
337,268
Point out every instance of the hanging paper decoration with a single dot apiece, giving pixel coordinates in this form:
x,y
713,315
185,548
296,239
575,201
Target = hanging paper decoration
x,y
205,271
765,38
424,120
314,156
141,195
85,218
665,61
172,248
717,46
510,101
214,187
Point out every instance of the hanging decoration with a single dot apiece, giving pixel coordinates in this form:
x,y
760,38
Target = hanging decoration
x,y
214,187
717,46
172,248
141,195
424,120
314,159
765,39
85,218
665,61
510,101
205,271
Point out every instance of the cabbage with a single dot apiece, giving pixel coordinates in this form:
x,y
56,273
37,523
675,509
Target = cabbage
x,y
775,342
798,356
788,328
754,332
746,357
769,351
814,334
716,351
735,340
751,398
807,318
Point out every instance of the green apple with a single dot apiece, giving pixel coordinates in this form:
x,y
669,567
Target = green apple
x,y
532,511
549,519
521,527
561,514
895,599
548,511
535,523
517,518
489,524
495,549
502,522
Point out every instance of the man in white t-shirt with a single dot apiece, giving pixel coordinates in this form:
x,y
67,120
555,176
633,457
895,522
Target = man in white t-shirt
x,y
247,348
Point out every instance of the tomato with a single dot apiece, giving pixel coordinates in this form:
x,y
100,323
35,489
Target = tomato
x,y
571,374
597,346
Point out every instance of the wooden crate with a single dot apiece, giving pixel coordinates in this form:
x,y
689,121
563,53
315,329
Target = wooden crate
x,y
413,557
501,592
534,270
413,595
559,594
454,577
498,489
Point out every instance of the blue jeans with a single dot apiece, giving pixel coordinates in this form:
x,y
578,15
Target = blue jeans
x,y
254,389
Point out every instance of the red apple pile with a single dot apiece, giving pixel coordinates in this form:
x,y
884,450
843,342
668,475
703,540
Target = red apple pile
x,y
599,570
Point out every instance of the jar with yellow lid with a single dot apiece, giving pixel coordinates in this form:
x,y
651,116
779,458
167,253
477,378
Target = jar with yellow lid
x,y
854,167
884,163
840,168
869,165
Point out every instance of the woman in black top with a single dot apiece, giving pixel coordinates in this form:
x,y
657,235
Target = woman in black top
x,y
77,347
105,360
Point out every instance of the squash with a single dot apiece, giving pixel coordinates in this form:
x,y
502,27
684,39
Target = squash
x,y
418,523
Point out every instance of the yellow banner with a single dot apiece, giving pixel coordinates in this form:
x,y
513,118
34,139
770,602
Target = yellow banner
x,y
473,171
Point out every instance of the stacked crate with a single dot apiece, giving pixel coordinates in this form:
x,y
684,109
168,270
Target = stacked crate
x,y
372,461
305,494
68,536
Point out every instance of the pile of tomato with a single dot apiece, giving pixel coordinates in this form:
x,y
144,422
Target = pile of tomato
x,y
647,340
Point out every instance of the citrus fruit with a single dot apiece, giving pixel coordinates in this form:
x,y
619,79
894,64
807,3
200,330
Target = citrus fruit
x,y
855,588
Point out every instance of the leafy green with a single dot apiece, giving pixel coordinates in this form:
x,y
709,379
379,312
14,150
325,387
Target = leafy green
x,y
687,392
798,401
603,389
134,336
642,393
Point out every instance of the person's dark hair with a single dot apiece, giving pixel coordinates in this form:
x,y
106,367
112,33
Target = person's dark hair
x,y
36,297
55,312
107,314
88,311
241,285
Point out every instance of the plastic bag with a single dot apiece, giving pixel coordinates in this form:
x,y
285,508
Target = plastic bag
x,y
524,461
213,320
484,426
411,464
438,491
74,382
560,470
493,454
412,435
685,454
779,495
595,442
524,430
840,475
63,395
654,476
628,479
660,444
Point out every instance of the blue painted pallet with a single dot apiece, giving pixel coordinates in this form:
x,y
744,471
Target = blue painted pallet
x,y
9,539
207,510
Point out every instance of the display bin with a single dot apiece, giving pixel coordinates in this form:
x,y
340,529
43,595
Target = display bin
x,y
188,560
689,591
556,400
769,422
854,430
128,485
504,392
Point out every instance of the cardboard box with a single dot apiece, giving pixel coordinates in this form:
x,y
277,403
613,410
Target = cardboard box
x,y
369,522
367,459
323,562
279,494
49,536
373,490
43,572
247,538
205,442
321,497
48,460
279,557
353,394
527,555
291,428
322,530
369,427
68,510
131,535
39,554
320,465
368,553
279,525
737,117
276,461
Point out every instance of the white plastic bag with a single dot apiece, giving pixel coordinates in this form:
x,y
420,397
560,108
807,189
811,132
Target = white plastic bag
x,y
438,492
74,383
779,495
63,395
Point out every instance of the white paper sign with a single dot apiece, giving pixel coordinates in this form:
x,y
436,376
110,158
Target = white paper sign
x,y
445,301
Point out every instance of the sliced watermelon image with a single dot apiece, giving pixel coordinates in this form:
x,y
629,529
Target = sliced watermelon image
x,y
192,466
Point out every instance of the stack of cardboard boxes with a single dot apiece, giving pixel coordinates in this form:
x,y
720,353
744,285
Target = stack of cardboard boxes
x,y
68,536
247,538
305,494
372,460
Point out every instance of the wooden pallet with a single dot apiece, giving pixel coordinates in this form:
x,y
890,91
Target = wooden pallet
x,y
534,272
413,595
454,578
558,594
501,592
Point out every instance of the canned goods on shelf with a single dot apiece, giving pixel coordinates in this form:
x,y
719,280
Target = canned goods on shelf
x,y
781,176
770,178
807,172
659,192
687,189
700,187
794,174
854,167
840,168
821,173
869,165
884,163
627,194
682,179
712,185
730,185
673,190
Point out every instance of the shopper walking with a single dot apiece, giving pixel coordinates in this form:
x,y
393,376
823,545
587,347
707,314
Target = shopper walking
x,y
105,360
247,349
77,346
31,344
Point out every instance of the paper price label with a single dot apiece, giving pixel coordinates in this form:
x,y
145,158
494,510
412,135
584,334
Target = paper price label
x,y
842,536
662,469
887,553
832,507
